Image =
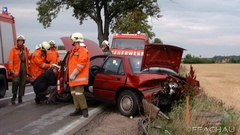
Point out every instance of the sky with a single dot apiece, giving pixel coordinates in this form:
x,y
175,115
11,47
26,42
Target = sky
x,y
205,28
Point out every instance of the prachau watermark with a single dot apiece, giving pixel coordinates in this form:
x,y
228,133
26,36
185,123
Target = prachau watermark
x,y
211,129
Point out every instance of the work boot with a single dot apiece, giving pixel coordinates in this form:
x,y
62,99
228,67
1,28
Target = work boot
x,y
49,102
85,113
42,98
76,112
19,99
13,97
37,101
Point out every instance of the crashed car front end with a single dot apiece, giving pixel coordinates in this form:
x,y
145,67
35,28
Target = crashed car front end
x,y
164,89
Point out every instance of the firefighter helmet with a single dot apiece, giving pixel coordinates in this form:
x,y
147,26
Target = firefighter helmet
x,y
77,37
51,42
21,37
55,66
105,42
45,46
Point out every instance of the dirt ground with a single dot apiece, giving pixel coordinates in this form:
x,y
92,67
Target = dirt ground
x,y
111,122
217,80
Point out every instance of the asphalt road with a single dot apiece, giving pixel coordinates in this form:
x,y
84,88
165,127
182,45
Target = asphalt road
x,y
28,118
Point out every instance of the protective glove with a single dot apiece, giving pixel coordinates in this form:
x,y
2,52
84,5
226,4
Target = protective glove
x,y
11,72
74,74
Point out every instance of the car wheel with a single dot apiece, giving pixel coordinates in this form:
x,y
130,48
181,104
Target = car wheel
x,y
65,97
3,86
128,103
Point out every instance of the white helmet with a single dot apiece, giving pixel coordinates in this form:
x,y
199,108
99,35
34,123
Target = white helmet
x,y
77,37
45,46
56,66
105,42
51,42
21,37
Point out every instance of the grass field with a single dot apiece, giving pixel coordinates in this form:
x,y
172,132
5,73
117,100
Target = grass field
x,y
220,80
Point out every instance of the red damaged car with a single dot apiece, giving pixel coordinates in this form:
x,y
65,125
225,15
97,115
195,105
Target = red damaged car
x,y
125,79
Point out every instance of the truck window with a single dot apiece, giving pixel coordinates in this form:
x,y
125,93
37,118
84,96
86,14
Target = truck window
x,y
7,41
130,43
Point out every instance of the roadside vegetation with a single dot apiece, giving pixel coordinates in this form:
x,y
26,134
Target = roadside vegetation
x,y
189,59
207,115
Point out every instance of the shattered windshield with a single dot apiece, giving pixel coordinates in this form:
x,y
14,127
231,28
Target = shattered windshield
x,y
136,63
128,44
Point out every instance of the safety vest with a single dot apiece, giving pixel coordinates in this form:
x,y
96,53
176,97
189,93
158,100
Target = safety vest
x,y
14,60
79,60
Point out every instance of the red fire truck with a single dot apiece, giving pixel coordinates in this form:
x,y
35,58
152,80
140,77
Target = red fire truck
x,y
129,44
7,41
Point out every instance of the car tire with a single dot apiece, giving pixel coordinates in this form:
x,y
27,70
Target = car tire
x,y
65,97
128,103
3,86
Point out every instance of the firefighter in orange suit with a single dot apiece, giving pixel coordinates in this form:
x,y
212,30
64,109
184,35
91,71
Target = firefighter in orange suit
x,y
18,65
38,60
78,71
52,54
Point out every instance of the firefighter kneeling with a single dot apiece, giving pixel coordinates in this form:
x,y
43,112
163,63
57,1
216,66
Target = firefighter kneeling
x,y
46,84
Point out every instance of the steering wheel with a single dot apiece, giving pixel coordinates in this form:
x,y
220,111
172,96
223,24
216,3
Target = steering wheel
x,y
93,69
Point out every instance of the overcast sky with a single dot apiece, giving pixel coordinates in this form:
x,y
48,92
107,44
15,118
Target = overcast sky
x,y
203,27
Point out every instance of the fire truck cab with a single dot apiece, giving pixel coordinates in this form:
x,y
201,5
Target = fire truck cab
x,y
7,41
129,44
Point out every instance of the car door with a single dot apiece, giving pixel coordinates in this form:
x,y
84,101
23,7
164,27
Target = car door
x,y
109,79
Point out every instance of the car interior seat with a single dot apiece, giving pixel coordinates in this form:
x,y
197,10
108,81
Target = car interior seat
x,y
111,69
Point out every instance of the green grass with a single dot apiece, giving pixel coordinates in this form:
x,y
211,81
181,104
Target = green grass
x,y
9,83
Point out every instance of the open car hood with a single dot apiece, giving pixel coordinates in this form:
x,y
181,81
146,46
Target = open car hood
x,y
92,47
163,56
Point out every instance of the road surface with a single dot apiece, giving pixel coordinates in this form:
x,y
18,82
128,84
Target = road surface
x,y
28,118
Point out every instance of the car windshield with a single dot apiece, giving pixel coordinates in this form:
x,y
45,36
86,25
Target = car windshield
x,y
136,63
136,44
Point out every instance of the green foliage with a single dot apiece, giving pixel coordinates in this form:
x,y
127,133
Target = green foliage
x,y
157,40
232,59
189,59
133,22
105,13
61,47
